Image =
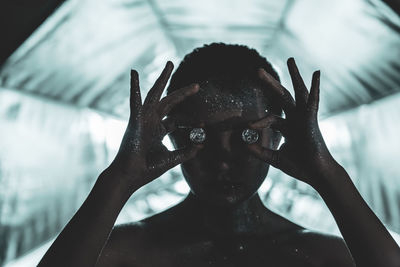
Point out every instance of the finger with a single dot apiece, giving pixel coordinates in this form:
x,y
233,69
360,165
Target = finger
x,y
135,97
285,97
168,102
169,124
271,121
177,157
270,156
300,89
156,91
313,99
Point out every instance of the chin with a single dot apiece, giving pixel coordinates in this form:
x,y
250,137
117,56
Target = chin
x,y
224,197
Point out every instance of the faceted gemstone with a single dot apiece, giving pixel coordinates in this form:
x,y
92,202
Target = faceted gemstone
x,y
249,136
197,135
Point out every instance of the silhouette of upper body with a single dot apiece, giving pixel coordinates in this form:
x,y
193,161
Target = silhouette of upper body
x,y
222,222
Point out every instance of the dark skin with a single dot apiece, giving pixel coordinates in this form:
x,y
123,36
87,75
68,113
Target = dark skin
x,y
222,222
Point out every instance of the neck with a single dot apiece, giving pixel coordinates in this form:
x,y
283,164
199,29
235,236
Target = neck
x,y
247,217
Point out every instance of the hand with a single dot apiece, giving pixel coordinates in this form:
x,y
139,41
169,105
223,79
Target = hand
x,y
304,154
142,157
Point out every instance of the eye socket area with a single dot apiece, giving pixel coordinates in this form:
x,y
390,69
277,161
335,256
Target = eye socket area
x,y
198,135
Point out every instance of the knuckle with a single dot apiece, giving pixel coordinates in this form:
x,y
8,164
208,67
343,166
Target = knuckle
x,y
312,108
265,154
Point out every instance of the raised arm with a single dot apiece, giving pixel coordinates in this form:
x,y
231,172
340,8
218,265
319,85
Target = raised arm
x,y
141,158
305,156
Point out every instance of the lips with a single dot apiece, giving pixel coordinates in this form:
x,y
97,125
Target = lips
x,y
225,183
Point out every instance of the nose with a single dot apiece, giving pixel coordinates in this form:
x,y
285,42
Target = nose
x,y
225,141
224,166
224,154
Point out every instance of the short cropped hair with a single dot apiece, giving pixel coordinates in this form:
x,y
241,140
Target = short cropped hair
x,y
227,66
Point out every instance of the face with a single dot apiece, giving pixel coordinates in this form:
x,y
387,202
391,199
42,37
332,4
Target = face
x,y
224,172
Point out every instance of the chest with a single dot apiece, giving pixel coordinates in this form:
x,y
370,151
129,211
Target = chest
x,y
224,253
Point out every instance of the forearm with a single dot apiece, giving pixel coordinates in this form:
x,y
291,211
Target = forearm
x,y
82,240
367,238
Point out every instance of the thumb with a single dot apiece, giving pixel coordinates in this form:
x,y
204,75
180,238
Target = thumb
x,y
270,156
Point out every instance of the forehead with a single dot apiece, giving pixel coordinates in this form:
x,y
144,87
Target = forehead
x,y
211,105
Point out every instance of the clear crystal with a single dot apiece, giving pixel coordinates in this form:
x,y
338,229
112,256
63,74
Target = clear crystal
x,y
249,136
197,135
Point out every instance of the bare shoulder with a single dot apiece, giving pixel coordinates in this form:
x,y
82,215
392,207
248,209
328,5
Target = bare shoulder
x,y
132,243
324,249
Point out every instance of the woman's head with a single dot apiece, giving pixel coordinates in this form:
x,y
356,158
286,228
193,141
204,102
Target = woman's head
x,y
224,172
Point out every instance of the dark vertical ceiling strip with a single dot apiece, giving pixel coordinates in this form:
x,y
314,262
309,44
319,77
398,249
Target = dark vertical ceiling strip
x,y
162,21
281,22
393,5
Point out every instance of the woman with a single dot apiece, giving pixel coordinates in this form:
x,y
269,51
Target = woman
x,y
226,128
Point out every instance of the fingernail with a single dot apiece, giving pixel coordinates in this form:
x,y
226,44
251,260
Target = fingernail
x,y
134,73
196,87
261,72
